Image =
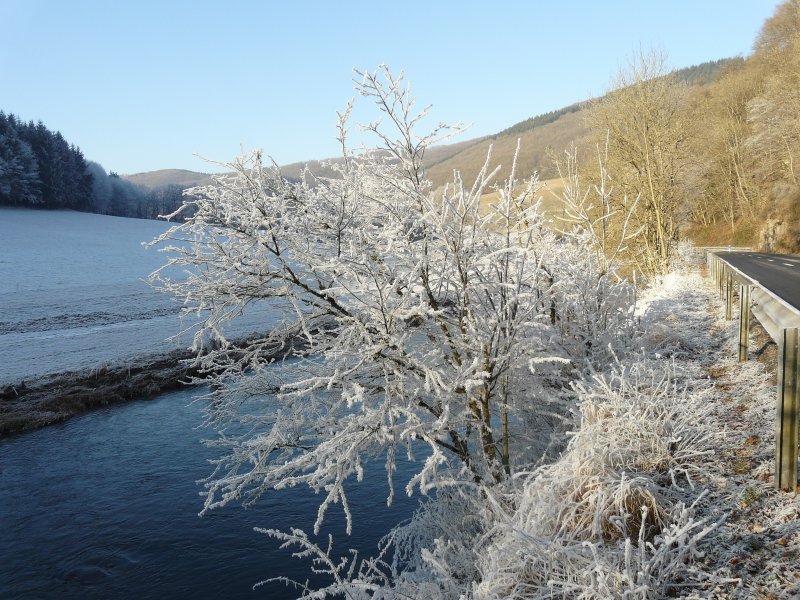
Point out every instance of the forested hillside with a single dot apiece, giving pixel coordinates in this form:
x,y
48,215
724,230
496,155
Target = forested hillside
x,y
544,137
744,184
40,169
711,157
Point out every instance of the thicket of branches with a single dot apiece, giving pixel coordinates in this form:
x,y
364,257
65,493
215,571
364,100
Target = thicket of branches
x,y
425,316
709,158
644,143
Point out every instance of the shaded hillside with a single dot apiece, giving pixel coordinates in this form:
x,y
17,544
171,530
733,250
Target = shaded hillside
x,y
165,177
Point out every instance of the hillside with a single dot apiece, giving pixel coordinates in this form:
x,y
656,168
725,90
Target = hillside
x,y
536,144
165,177
542,138
434,156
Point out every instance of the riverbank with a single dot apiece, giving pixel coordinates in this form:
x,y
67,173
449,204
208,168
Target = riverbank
x,y
55,398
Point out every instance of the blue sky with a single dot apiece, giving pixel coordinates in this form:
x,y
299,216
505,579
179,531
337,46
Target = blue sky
x,y
142,85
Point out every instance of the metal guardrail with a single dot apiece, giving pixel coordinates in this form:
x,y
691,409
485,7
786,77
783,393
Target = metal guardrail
x,y
782,323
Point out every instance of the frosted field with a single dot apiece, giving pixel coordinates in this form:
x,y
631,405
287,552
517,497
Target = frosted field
x,y
73,293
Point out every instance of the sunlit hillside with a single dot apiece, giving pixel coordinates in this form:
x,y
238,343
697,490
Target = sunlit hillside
x,y
536,146
164,177
738,183
544,137
549,197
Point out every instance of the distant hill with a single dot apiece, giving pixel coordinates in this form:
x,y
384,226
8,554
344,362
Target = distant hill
x,y
165,177
536,143
434,155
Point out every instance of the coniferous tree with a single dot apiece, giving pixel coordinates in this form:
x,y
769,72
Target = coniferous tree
x,y
39,168
19,172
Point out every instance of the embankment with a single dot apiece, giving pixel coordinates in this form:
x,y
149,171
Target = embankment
x,y
55,398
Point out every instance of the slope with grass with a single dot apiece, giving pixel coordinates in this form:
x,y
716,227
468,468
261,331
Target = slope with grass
x,y
538,146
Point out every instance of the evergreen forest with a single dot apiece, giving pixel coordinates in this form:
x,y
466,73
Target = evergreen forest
x,y
40,169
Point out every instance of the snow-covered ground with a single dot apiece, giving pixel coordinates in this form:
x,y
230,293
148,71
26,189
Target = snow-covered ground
x,y
758,546
755,551
74,295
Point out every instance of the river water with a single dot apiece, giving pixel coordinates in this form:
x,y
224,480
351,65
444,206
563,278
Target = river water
x,y
105,505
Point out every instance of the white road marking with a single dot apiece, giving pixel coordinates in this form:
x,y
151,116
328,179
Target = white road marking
x,y
789,264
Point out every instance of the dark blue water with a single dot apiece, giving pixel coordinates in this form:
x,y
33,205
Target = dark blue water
x,y
105,506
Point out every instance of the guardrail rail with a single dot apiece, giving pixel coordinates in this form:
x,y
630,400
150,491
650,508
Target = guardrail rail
x,y
782,323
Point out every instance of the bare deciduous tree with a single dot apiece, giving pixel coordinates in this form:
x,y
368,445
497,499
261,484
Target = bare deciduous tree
x,y
595,212
646,152
412,316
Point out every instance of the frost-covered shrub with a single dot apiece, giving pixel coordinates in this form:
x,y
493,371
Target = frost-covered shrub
x,y
593,311
608,520
404,317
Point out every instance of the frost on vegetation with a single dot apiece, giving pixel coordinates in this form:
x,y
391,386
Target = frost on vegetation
x,y
662,310
610,518
463,335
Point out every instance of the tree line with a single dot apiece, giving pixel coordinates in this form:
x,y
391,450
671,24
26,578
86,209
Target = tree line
x,y
40,169
744,179
709,154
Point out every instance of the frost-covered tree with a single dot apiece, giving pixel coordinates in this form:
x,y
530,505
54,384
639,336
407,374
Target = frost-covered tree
x,y
647,156
408,320
19,172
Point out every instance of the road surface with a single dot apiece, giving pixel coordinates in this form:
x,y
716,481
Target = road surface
x,y
779,273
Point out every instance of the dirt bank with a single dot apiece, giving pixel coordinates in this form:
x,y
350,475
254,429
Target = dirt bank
x,y
55,398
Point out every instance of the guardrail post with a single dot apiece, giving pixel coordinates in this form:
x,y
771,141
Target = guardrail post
x,y
713,261
744,321
786,425
728,296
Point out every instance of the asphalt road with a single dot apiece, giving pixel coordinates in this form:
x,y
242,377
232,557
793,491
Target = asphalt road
x,y
779,273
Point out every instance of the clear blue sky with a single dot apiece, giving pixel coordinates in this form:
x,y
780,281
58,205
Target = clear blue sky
x,y
141,85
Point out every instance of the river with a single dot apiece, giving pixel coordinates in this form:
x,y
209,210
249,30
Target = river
x,y
105,505
73,294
